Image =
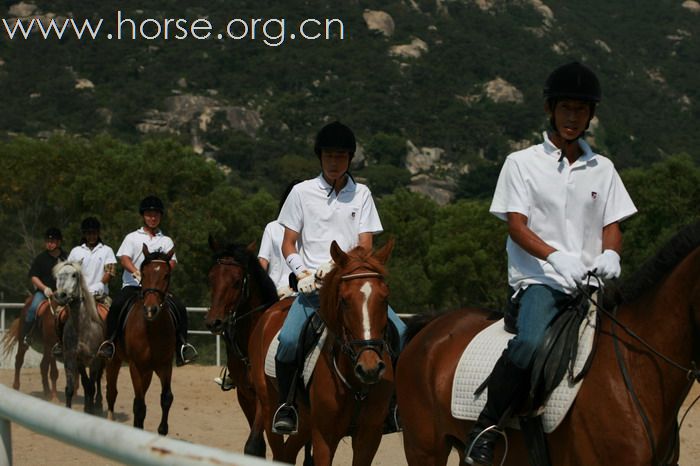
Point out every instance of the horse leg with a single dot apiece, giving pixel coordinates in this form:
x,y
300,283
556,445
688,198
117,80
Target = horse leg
x,y
166,397
19,361
325,442
96,370
53,372
112,375
71,377
88,389
44,369
141,382
255,445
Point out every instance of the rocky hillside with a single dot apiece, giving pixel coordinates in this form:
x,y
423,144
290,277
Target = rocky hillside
x,y
439,91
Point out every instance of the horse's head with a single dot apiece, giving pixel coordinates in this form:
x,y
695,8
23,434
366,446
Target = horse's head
x,y
228,281
155,280
68,281
354,305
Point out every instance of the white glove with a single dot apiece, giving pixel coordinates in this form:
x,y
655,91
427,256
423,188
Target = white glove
x,y
569,267
607,265
306,282
324,270
48,292
284,292
137,276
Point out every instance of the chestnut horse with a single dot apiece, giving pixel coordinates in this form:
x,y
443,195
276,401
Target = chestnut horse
x,y
240,291
148,342
82,335
627,406
45,328
352,384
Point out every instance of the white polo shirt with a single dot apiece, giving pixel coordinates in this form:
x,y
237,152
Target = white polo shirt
x,y
321,218
271,251
566,205
93,264
132,246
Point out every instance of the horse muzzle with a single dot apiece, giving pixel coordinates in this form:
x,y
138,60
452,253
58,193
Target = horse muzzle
x,y
61,297
150,312
216,326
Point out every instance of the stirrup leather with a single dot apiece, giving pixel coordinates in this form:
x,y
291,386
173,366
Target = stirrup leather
x,y
293,409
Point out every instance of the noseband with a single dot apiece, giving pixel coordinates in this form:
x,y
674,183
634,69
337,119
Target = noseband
x,y
354,347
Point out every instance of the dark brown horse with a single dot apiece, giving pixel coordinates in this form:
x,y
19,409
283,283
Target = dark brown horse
x,y
352,383
241,290
45,330
626,409
148,342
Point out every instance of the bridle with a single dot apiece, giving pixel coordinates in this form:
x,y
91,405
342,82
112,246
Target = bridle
x,y
692,374
161,293
230,314
354,347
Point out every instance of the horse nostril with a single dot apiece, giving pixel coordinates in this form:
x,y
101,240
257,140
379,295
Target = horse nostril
x,y
381,366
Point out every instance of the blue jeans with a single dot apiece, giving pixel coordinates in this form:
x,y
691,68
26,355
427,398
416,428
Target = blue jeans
x,y
302,308
539,305
39,296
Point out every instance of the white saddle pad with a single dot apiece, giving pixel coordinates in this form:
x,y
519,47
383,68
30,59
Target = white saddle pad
x,y
481,355
309,362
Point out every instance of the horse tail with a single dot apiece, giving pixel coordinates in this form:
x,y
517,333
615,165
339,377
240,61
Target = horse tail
x,y
11,337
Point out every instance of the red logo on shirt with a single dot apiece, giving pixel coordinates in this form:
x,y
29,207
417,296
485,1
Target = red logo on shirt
x,y
594,195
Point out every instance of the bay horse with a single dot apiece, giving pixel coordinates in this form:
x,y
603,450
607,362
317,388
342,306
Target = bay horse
x,y
45,329
627,407
148,341
241,290
353,381
82,335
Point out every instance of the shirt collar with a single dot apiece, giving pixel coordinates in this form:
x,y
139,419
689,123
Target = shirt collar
x,y
553,151
143,232
326,187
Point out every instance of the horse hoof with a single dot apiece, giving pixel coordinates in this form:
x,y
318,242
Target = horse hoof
x,y
110,415
163,430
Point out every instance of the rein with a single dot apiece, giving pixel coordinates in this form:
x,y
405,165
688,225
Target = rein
x,y
692,374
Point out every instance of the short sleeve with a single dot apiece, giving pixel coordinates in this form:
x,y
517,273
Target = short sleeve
x,y
511,193
619,205
73,256
266,244
109,256
291,215
127,248
369,218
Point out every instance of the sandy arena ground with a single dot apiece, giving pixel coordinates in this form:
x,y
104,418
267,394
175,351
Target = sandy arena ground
x,y
202,413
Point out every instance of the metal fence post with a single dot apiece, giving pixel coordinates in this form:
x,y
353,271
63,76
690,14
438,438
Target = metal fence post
x,y
6,444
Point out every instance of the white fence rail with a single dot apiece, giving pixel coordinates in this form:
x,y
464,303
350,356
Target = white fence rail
x,y
102,437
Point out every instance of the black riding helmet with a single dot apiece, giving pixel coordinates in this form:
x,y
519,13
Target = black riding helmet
x,y
151,203
90,224
572,81
335,136
53,233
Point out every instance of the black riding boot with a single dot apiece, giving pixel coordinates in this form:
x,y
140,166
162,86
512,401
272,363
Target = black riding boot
x,y
507,387
286,419
27,331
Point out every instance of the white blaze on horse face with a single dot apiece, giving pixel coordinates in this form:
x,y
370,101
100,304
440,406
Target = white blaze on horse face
x,y
67,281
366,291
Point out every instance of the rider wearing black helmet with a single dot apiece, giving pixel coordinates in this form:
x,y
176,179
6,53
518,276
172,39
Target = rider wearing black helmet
x,y
41,276
563,204
131,257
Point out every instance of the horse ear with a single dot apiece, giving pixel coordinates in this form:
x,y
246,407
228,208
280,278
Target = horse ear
x,y
385,251
338,255
145,250
170,254
252,247
213,243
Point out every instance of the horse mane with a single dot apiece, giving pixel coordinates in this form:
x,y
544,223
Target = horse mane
x,y
661,264
328,295
88,304
243,256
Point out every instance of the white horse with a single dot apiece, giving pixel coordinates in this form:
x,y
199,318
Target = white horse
x,y
82,335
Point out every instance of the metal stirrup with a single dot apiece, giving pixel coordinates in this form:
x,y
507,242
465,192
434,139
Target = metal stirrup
x,y
468,456
294,429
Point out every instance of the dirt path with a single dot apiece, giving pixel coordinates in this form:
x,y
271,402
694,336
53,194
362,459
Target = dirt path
x,y
202,413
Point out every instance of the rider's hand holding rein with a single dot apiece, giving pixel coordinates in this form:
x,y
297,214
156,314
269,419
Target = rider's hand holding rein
x,y
137,276
569,267
607,264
